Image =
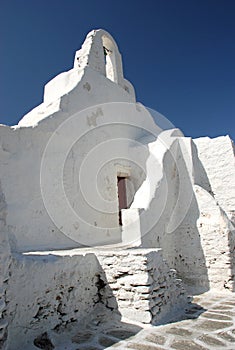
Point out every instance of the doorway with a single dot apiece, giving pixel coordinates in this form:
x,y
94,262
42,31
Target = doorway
x,y
122,200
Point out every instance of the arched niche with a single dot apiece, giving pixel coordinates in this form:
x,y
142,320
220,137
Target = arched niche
x,y
110,59
100,52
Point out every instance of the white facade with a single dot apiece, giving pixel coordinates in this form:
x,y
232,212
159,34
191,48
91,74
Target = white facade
x,y
59,187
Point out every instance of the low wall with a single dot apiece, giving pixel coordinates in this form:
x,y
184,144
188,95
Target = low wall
x,y
143,285
48,293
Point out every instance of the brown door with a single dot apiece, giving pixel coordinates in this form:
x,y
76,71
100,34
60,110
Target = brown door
x,y
121,182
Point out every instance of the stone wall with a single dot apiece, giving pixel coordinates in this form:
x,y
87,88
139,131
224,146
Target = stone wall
x,y
143,285
52,292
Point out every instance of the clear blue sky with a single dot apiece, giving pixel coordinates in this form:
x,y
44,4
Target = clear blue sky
x,y
178,54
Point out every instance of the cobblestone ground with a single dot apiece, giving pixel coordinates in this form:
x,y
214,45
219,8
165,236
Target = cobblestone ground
x,y
208,323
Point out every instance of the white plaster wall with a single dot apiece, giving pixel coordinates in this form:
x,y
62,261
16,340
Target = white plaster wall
x,y
217,158
203,251
216,205
185,252
89,89
27,222
5,260
62,160
217,239
167,212
87,165
157,196
48,294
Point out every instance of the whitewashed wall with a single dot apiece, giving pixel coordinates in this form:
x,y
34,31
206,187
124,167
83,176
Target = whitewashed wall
x,y
62,161
185,207
49,293
5,261
217,158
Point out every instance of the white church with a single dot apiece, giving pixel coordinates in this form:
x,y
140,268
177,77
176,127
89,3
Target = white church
x,y
103,199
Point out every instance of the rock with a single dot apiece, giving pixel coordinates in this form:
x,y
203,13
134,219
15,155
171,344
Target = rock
x,y
43,342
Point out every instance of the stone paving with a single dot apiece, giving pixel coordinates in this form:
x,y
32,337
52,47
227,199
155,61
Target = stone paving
x,y
208,323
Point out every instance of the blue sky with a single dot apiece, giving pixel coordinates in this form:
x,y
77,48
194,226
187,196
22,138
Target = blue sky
x,y
178,54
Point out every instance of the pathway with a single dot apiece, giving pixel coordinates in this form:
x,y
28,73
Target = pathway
x,y
209,323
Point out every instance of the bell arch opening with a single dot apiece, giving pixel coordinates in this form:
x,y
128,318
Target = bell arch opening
x,y
110,59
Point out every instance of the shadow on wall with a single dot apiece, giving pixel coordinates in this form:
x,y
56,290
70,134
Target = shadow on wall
x,y
232,254
182,247
61,299
230,230
216,230
200,175
190,261
102,327
55,299
231,242
5,261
